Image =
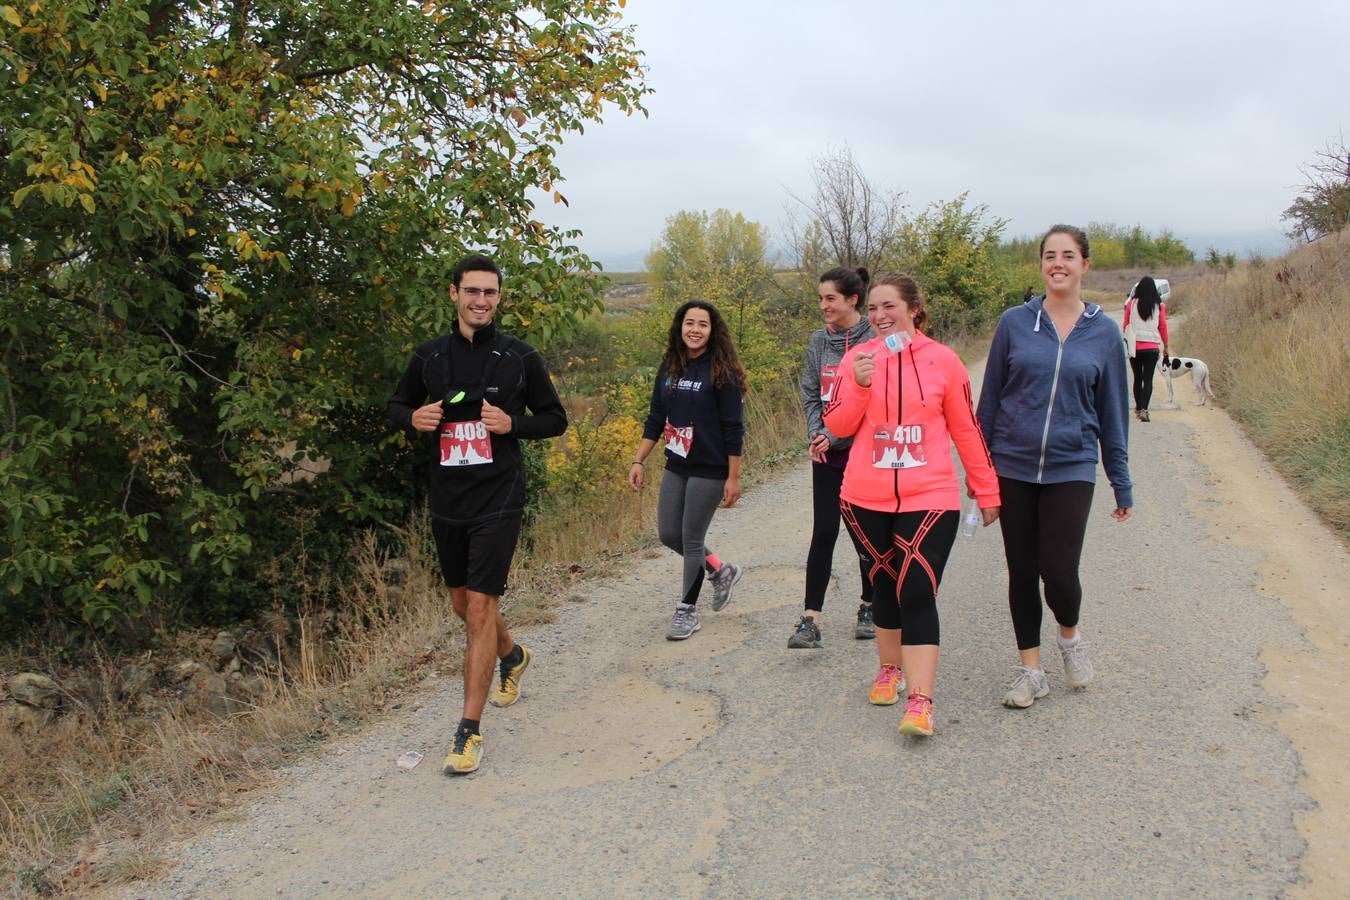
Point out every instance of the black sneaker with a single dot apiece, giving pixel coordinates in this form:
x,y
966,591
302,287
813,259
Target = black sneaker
x,y
806,637
866,629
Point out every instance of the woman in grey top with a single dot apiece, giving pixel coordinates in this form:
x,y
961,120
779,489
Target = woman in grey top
x,y
842,293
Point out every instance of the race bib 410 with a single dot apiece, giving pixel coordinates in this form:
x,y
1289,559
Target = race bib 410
x,y
898,447
465,444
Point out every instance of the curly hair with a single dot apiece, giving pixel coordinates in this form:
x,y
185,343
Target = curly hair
x,y
726,364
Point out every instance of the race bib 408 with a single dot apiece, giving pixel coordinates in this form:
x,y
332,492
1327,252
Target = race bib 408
x,y
465,444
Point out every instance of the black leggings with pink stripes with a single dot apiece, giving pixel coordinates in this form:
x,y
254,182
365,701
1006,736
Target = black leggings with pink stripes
x,y
909,550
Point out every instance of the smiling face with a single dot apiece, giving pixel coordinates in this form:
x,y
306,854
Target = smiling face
x,y
1063,264
476,299
887,310
696,331
836,309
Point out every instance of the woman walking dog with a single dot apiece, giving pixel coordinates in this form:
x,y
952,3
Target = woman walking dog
x,y
1145,327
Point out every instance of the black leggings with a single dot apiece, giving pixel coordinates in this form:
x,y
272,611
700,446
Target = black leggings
x,y
1043,527
825,484
910,549
1143,364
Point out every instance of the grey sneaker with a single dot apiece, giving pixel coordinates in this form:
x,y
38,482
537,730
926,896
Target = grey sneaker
x,y
866,629
1028,686
806,637
723,580
1077,666
684,624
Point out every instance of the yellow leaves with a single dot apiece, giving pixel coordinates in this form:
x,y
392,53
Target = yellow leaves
x,y
296,354
11,15
348,205
87,201
23,75
559,198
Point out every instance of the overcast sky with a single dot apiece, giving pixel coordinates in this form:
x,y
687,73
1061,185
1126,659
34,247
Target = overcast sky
x,y
1192,116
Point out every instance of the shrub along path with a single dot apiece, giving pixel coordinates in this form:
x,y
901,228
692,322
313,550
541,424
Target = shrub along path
x,y
730,765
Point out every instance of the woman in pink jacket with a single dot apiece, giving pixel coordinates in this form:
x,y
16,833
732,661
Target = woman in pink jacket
x,y
906,398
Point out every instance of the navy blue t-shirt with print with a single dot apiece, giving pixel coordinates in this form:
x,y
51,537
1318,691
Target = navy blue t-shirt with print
x,y
698,423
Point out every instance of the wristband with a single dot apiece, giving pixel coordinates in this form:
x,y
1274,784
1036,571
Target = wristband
x,y
635,463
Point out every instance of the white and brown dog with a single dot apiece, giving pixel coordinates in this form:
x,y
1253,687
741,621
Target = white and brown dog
x,y
1177,367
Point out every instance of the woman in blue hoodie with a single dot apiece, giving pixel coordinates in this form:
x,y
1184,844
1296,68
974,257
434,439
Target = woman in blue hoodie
x,y
1055,387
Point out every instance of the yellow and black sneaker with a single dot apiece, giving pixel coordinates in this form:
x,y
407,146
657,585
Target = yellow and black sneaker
x,y
509,690
464,755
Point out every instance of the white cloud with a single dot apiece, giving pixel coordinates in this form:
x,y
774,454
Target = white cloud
x,y
1192,116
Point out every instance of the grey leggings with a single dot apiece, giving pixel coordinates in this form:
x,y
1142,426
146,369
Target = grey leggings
x,y
683,515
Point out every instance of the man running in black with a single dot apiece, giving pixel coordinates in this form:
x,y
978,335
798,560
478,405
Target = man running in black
x,y
480,383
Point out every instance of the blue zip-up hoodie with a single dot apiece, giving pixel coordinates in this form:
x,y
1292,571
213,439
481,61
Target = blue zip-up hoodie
x,y
1045,406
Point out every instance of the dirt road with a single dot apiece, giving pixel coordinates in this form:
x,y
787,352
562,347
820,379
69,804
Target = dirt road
x,y
729,765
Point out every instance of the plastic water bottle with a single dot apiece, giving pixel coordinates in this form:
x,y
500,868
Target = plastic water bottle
x,y
896,341
970,517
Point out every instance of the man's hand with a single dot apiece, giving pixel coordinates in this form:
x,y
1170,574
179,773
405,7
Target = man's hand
x,y
495,420
863,367
426,418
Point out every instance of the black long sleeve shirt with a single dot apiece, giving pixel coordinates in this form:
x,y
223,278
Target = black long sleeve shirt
x,y
519,384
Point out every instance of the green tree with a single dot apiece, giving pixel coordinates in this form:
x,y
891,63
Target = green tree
x,y
951,249
223,225
718,257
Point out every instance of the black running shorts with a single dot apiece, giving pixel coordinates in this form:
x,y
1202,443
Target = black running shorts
x,y
478,556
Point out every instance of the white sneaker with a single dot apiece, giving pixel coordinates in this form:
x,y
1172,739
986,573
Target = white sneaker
x,y
1077,667
1028,686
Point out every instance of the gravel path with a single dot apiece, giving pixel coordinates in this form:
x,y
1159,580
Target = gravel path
x,y
728,765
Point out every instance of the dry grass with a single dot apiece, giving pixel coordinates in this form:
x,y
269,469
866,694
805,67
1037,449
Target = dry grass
x,y
86,800
1277,340
565,540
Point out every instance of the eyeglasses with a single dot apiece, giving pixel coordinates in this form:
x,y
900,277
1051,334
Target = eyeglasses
x,y
473,292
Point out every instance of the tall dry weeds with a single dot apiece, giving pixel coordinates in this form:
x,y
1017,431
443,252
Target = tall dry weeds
x,y
88,798
1276,337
